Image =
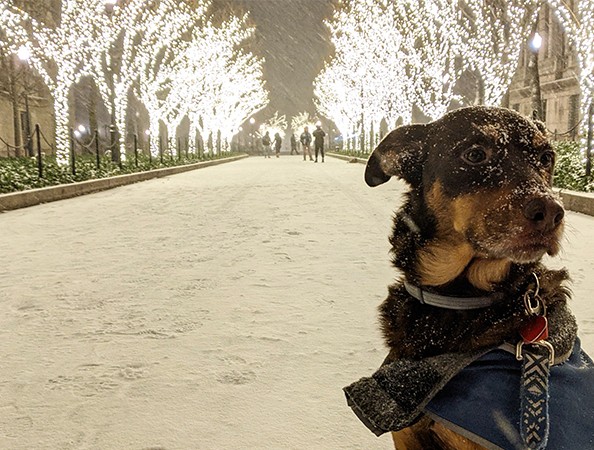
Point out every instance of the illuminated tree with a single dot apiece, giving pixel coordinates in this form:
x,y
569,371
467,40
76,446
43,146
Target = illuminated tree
x,y
16,78
302,120
62,55
230,90
114,68
495,32
275,124
579,26
336,97
353,90
156,61
241,94
432,61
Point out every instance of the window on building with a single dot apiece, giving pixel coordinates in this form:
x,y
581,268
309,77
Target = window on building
x,y
545,104
516,107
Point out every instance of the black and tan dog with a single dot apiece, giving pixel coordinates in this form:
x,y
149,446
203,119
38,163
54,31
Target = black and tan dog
x,y
480,215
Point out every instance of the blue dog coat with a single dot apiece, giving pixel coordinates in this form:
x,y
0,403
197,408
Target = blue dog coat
x,y
478,396
482,402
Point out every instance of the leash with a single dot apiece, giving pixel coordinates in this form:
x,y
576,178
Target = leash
x,y
537,356
535,352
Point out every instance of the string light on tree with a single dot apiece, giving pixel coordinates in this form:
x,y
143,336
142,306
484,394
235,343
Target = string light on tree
x,y
493,35
62,55
302,120
275,124
578,23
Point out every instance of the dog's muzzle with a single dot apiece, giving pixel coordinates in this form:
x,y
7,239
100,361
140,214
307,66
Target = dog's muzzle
x,y
544,213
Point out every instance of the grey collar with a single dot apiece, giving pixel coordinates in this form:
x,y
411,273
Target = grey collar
x,y
447,302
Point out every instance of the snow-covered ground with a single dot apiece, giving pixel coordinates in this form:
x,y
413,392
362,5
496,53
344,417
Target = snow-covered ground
x,y
222,308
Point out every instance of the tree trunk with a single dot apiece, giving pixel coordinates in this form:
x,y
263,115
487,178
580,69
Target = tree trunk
x,y
14,100
155,137
92,108
171,143
120,108
62,114
192,137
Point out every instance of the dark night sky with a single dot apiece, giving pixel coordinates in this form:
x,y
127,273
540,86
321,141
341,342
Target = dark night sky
x,y
292,37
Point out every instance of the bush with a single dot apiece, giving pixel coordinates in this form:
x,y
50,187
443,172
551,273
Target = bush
x,y
570,168
19,174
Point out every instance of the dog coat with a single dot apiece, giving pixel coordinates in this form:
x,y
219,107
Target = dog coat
x,y
478,396
482,402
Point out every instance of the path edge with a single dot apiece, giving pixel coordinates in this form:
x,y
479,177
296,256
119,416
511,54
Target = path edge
x,y
32,197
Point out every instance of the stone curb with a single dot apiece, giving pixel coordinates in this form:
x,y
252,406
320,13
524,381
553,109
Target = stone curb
x,y
23,199
582,202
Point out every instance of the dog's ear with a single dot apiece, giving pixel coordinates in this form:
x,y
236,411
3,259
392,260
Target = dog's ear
x,y
401,154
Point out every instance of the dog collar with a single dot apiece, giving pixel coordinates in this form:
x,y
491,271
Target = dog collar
x,y
447,302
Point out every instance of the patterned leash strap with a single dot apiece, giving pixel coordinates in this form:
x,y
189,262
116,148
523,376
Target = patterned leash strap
x,y
534,395
537,356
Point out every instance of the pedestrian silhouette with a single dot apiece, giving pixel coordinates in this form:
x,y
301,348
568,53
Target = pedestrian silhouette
x,y
293,144
319,136
277,144
266,145
305,139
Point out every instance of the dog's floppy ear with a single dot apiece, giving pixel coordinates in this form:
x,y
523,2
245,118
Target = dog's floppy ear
x,y
400,154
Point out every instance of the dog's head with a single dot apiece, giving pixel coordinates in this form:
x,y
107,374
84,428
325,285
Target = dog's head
x,y
484,174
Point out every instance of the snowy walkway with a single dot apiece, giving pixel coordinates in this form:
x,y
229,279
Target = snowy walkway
x,y
223,308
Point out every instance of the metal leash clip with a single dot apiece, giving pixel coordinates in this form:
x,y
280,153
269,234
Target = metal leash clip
x,y
536,329
545,344
532,302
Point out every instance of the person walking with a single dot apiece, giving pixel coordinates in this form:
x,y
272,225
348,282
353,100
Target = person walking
x,y
293,144
305,139
319,136
266,145
277,144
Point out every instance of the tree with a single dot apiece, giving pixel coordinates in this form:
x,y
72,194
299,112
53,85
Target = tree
x,y
302,120
579,26
155,61
231,89
275,124
16,77
62,55
351,89
494,33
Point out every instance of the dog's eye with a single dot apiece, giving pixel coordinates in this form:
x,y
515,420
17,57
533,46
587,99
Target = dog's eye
x,y
475,155
547,159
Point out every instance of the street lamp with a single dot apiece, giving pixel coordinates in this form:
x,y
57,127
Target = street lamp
x,y
24,54
535,44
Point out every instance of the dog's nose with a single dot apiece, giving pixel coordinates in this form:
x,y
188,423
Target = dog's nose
x,y
545,213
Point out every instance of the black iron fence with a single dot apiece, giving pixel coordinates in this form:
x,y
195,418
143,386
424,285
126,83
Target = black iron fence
x,y
106,150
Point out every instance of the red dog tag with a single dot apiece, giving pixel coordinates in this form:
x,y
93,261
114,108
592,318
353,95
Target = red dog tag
x,y
535,329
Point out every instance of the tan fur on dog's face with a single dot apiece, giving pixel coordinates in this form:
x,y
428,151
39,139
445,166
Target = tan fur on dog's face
x,y
493,223
485,175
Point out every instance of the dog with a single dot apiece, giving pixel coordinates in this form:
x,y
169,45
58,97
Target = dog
x,y
468,240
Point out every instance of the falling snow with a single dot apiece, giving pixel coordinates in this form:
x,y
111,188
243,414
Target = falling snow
x,y
220,308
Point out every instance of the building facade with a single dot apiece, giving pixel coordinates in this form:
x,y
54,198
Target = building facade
x,y
558,78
